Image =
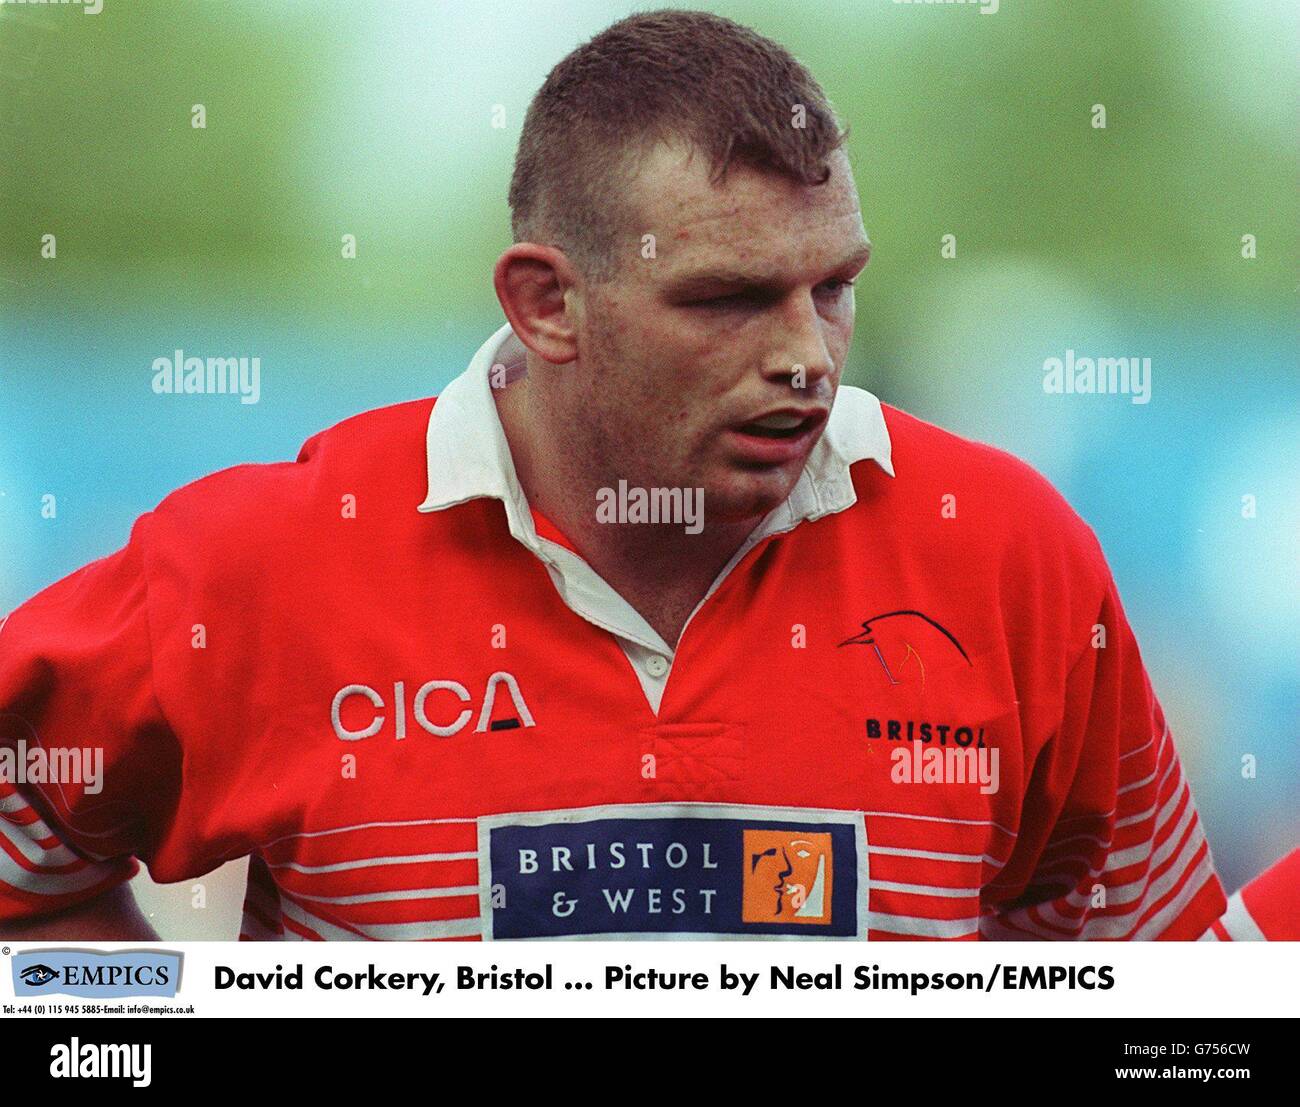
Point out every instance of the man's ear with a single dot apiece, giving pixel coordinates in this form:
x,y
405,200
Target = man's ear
x,y
535,285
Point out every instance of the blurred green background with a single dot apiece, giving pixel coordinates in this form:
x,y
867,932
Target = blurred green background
x,y
376,119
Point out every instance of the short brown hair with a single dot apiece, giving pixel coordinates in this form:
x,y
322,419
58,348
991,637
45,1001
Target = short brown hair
x,y
727,91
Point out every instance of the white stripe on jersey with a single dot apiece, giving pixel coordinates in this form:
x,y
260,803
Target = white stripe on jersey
x,y
373,862
925,928
1239,923
381,932
361,826
386,897
47,883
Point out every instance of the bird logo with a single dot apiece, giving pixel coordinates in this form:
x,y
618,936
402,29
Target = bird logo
x,y
868,636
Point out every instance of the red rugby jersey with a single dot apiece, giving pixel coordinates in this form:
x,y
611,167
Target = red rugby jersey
x,y
910,708
1267,909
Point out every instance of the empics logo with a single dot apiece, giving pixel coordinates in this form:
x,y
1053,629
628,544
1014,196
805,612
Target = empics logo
x,y
36,975
91,974
787,877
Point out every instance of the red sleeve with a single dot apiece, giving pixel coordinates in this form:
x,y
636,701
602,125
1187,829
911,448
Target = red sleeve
x,y
89,770
1116,849
1265,910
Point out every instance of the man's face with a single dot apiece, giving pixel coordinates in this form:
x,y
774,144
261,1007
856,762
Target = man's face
x,y
744,314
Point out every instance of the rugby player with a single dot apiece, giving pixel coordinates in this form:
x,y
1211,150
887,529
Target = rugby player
x,y
645,627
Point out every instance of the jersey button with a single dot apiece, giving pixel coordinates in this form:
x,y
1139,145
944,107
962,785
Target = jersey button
x,y
656,665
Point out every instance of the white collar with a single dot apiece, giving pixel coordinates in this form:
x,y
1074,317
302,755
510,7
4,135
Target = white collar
x,y
468,456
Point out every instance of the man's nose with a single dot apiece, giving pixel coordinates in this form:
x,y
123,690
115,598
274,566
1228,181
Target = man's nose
x,y
800,356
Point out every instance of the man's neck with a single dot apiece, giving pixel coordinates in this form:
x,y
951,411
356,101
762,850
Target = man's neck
x,y
660,569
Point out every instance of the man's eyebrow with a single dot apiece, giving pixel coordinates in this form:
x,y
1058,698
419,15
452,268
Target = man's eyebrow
x,y
713,278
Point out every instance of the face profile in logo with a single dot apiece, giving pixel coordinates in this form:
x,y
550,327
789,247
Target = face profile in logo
x,y
787,877
36,975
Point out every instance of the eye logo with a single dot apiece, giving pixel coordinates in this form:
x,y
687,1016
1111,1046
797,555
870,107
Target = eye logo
x,y
36,975
787,877
905,633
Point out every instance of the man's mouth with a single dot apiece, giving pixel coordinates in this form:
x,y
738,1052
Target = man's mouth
x,y
776,426
783,424
777,437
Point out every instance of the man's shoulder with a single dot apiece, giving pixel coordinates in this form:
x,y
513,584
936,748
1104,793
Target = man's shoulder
x,y
923,451
984,496
369,465
354,438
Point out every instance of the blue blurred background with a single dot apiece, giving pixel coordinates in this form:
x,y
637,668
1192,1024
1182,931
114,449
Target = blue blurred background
x,y
396,122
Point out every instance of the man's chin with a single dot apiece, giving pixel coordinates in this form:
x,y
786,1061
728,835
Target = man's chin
x,y
749,500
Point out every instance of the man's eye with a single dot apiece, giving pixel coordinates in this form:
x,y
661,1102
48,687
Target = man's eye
x,y
736,299
835,287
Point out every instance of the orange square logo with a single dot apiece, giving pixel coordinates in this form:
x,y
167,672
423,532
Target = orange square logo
x,y
787,877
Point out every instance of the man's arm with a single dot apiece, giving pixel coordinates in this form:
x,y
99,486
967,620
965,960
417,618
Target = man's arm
x,y
77,702
1267,909
112,917
1111,846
